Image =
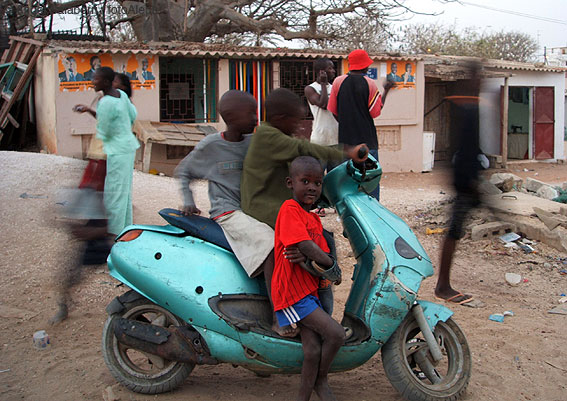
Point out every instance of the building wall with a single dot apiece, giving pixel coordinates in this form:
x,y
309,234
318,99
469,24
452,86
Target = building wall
x,y
400,125
74,130
44,97
490,109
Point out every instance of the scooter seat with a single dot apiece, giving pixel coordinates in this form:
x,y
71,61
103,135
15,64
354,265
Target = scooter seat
x,y
197,226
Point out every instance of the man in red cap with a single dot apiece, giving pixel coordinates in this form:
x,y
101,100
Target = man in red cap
x,y
356,102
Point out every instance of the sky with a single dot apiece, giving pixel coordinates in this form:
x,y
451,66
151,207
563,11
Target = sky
x,y
539,19
544,20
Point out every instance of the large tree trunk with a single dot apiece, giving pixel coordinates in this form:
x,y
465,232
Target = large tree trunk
x,y
164,20
159,20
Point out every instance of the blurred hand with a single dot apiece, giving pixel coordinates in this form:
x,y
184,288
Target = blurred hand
x,y
294,255
189,210
388,85
323,77
353,153
80,108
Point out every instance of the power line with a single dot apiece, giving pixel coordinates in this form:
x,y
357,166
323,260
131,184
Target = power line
x,y
546,19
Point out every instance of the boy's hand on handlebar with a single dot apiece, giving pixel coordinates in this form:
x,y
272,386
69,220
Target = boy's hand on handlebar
x,y
189,210
358,153
294,255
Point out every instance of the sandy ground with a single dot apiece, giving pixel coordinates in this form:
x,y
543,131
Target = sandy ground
x,y
522,358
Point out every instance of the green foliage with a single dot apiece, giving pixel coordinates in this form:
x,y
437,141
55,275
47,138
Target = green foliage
x,y
448,40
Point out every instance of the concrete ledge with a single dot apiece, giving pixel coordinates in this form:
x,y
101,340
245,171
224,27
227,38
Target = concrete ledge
x,y
496,228
534,229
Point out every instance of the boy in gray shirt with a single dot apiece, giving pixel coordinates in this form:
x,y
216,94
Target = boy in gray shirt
x,y
218,158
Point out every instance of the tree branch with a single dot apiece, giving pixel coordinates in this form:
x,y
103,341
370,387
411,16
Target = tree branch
x,y
54,8
113,24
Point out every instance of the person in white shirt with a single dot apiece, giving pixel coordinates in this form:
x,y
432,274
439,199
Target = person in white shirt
x,y
325,130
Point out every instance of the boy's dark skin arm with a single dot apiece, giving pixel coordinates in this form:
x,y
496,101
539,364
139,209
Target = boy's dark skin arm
x,y
316,254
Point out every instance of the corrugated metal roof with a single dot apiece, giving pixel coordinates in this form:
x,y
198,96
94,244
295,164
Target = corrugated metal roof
x,y
203,50
454,66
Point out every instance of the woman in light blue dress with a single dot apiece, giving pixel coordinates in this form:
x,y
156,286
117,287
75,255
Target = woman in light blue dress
x,y
115,115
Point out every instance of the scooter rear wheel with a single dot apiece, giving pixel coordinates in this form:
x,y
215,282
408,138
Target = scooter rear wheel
x,y
139,371
409,367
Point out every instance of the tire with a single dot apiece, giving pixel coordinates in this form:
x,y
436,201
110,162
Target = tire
x,y
447,381
138,371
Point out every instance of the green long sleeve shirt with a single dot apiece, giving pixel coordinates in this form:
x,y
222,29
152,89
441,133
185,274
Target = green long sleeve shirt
x,y
263,188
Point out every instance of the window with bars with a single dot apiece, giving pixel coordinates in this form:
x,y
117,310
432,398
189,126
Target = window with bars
x,y
295,75
188,90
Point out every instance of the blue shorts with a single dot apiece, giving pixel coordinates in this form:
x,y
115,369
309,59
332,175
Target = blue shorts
x,y
298,311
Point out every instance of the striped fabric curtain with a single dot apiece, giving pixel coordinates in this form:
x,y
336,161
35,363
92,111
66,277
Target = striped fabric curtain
x,y
253,77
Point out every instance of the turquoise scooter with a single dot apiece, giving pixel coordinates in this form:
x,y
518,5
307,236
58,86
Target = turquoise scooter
x,y
191,303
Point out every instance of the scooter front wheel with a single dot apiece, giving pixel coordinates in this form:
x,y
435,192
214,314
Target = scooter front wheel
x,y
411,369
139,371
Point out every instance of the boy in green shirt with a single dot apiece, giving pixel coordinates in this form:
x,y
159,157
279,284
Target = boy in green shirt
x,y
263,188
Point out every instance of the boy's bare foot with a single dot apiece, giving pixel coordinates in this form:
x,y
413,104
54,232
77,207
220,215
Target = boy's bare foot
x,y
323,390
61,315
286,331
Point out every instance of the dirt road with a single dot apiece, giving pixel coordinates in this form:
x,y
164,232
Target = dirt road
x,y
522,358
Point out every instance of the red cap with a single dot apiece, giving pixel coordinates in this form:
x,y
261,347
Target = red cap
x,y
358,60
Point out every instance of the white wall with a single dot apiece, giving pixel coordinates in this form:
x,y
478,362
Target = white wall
x,y
403,113
44,100
71,126
490,107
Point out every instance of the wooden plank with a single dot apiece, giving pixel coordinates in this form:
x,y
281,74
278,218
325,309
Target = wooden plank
x,y
190,129
8,56
182,137
26,40
12,120
169,128
504,127
19,87
177,142
146,159
145,131
20,50
28,54
194,137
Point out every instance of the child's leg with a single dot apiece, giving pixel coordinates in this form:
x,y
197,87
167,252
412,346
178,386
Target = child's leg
x,y
268,268
319,326
325,295
311,343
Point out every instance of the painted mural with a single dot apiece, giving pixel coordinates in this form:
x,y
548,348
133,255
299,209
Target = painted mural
x,y
76,71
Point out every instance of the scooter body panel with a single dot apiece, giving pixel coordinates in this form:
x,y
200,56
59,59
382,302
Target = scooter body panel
x,y
279,355
181,273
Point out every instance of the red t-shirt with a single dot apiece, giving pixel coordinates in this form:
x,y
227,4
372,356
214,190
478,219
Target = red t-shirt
x,y
291,283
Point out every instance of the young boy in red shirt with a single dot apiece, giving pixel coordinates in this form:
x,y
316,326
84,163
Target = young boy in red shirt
x,y
294,289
